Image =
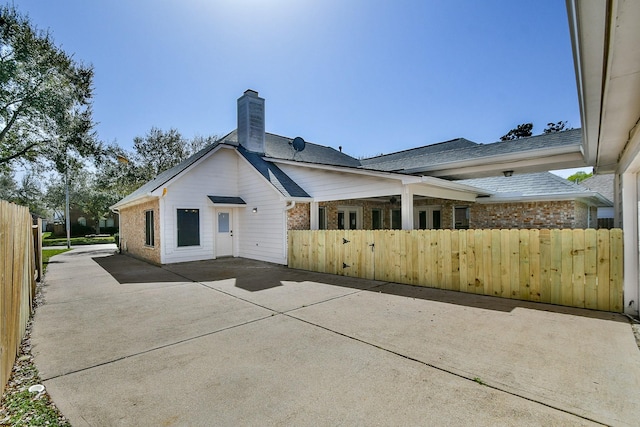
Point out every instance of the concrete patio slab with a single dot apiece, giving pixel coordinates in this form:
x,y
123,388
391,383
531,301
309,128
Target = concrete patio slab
x,y
272,286
579,361
238,342
78,267
280,371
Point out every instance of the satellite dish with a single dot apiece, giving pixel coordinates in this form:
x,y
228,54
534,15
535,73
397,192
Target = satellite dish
x,y
298,143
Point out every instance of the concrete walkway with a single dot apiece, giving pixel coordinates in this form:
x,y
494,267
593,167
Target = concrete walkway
x,y
237,342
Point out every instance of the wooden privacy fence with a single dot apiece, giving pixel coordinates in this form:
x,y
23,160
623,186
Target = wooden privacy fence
x,y
577,268
17,281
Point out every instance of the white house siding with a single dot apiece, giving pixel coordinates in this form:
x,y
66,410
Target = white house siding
x,y
262,235
325,185
216,175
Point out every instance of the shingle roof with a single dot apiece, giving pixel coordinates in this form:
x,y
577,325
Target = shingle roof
x,y
408,161
411,162
276,146
279,147
454,144
603,184
273,174
530,184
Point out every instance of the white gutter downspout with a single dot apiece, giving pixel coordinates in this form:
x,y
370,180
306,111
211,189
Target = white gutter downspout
x,y
117,211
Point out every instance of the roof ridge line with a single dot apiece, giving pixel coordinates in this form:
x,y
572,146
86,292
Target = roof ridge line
x,y
422,146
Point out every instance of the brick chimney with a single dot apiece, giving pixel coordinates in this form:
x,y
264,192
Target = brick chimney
x,y
251,121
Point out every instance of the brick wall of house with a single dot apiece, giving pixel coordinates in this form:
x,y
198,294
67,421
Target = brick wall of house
x,y
298,218
586,216
552,214
132,231
367,207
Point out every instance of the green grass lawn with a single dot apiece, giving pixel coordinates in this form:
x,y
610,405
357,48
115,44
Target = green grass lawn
x,y
48,253
75,241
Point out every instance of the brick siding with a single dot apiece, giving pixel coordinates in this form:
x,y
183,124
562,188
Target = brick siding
x,y
551,214
299,217
132,231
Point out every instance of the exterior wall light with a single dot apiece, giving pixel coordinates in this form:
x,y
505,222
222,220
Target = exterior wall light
x,y
255,210
508,173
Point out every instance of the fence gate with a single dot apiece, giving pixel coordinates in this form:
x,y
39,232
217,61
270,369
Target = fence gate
x,y
576,268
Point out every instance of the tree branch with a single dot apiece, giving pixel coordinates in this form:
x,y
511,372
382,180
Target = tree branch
x,y
18,154
11,121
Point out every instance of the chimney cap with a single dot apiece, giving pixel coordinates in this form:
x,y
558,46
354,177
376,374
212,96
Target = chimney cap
x,y
251,92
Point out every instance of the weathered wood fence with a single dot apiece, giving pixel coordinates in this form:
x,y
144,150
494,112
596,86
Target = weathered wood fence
x,y
577,268
17,281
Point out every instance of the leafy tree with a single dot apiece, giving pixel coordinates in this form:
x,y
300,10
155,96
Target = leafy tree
x,y
55,193
123,171
579,176
27,192
118,172
95,203
45,98
556,127
159,151
8,186
521,131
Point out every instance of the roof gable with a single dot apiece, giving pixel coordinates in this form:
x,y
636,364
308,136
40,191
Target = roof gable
x,y
167,175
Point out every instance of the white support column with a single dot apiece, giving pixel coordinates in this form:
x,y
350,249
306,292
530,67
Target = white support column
x,y
631,254
314,215
407,208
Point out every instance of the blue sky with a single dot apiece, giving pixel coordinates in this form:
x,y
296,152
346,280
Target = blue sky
x,y
372,76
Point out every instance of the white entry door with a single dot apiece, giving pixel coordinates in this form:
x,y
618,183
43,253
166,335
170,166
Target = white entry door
x,y
224,233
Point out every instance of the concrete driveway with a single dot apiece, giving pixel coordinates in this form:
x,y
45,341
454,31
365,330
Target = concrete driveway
x,y
239,342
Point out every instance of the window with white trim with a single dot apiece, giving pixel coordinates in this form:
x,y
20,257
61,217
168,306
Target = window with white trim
x,y
149,238
188,224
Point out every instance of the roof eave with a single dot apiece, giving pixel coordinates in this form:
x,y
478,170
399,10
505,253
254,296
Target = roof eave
x,y
590,32
126,203
588,197
529,155
455,186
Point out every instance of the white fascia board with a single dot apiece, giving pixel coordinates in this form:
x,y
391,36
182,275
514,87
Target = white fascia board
x,y
423,185
565,161
427,190
589,198
443,183
587,29
140,199
405,179
298,199
571,153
